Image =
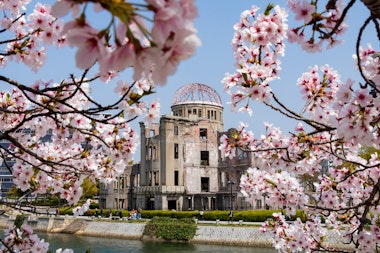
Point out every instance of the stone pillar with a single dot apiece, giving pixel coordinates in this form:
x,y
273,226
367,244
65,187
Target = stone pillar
x,y
161,202
140,202
180,203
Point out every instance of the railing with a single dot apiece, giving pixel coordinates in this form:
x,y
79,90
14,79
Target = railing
x,y
163,189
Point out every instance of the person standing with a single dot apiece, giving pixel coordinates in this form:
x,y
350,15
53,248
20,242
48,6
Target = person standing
x,y
201,214
230,215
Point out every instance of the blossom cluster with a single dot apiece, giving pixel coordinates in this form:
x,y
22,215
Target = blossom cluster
x,y
64,141
57,134
319,167
284,191
23,240
296,237
32,33
325,24
157,53
81,210
257,62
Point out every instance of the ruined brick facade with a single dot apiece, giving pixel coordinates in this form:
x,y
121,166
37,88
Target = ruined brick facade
x,y
181,167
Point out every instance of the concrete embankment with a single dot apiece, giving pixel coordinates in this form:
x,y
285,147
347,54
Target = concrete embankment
x,y
207,233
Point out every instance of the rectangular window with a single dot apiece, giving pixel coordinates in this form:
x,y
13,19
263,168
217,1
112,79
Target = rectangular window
x,y
154,153
150,153
204,158
152,132
203,133
176,177
175,150
199,113
195,111
205,181
213,115
241,154
178,113
175,130
156,179
223,181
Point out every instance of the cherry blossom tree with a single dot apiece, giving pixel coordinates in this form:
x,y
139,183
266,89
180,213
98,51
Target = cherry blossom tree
x,y
338,120
58,134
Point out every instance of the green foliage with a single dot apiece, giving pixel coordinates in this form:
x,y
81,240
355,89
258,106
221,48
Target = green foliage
x,y
14,192
149,214
94,205
246,215
171,228
366,152
89,189
66,210
19,220
300,214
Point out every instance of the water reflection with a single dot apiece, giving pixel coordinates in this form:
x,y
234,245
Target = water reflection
x,y
111,245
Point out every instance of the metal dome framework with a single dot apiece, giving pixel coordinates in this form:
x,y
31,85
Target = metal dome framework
x,y
196,92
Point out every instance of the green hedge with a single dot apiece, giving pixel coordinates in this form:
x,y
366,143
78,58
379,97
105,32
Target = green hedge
x,y
247,215
149,214
171,228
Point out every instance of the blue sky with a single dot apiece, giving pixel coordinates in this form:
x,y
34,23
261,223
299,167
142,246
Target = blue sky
x,y
215,57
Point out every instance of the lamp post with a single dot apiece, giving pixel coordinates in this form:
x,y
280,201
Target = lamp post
x,y
230,182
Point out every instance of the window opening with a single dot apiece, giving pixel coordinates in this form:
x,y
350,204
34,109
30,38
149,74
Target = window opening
x,y
203,133
204,158
175,150
205,181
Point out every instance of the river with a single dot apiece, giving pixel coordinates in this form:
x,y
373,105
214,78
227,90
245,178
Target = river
x,y
110,245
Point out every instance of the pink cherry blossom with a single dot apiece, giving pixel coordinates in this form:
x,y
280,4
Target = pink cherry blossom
x,y
303,10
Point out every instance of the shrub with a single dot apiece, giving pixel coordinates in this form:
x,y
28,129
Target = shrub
x,y
19,220
94,205
171,228
247,215
66,210
149,214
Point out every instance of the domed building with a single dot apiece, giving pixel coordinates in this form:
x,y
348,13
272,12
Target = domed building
x,y
181,167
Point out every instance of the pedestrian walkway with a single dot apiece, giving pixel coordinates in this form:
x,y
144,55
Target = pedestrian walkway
x,y
219,222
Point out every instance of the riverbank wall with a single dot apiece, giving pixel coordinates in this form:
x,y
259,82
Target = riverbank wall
x,y
237,234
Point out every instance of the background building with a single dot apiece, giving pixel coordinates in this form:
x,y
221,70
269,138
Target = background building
x,y
120,194
6,178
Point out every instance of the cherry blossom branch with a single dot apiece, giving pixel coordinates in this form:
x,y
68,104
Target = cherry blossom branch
x,y
293,115
340,20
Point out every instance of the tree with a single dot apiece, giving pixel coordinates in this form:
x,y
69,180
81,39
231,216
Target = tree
x,y
14,192
337,120
84,138
57,134
90,189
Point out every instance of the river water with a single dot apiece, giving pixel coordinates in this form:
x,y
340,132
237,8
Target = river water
x,y
110,245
